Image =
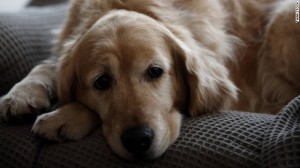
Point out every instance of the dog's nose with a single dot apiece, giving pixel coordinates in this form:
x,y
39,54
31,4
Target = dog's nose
x,y
137,140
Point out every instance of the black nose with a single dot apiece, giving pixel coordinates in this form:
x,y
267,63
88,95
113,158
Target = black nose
x,y
137,140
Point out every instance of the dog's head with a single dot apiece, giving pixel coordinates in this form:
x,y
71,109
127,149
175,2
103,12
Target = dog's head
x,y
138,76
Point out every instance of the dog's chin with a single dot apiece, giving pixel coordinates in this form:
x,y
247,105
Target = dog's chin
x,y
151,154
147,156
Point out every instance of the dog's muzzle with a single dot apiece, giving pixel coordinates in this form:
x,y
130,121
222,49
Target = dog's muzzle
x,y
137,140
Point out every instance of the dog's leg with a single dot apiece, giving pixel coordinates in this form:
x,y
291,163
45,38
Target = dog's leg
x,y
279,58
72,121
32,94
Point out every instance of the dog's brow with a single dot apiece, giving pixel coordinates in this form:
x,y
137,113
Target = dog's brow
x,y
104,46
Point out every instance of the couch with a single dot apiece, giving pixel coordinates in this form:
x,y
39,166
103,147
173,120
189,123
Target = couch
x,y
227,139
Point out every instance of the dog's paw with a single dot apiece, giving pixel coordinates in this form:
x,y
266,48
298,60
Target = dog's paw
x,y
24,100
54,127
66,123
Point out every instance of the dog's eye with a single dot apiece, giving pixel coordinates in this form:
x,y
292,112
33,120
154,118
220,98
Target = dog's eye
x,y
103,82
154,72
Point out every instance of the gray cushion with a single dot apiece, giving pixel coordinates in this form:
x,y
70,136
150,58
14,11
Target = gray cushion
x,y
281,143
228,139
25,40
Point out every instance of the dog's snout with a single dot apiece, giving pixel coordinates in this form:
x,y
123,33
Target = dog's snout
x,y
137,140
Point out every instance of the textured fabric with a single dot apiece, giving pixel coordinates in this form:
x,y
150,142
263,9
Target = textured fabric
x,y
17,147
228,139
281,144
25,40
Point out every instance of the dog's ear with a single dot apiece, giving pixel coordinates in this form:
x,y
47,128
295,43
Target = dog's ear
x,y
209,85
66,78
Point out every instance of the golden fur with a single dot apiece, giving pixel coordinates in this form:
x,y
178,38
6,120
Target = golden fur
x,y
215,55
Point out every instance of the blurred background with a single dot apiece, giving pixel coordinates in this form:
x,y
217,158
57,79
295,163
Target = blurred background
x,y
15,5
12,5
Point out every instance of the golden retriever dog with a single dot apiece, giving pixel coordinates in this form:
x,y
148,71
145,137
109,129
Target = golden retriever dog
x,y
135,66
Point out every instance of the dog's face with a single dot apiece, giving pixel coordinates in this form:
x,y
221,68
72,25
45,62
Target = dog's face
x,y
132,71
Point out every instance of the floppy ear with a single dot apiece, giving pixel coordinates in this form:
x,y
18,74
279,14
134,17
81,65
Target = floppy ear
x,y
210,87
66,78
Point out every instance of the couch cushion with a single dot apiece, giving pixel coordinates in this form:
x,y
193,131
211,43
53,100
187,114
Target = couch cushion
x,y
229,139
25,40
18,148
281,143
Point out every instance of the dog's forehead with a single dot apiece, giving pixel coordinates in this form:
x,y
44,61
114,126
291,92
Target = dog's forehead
x,y
129,54
128,28
130,42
